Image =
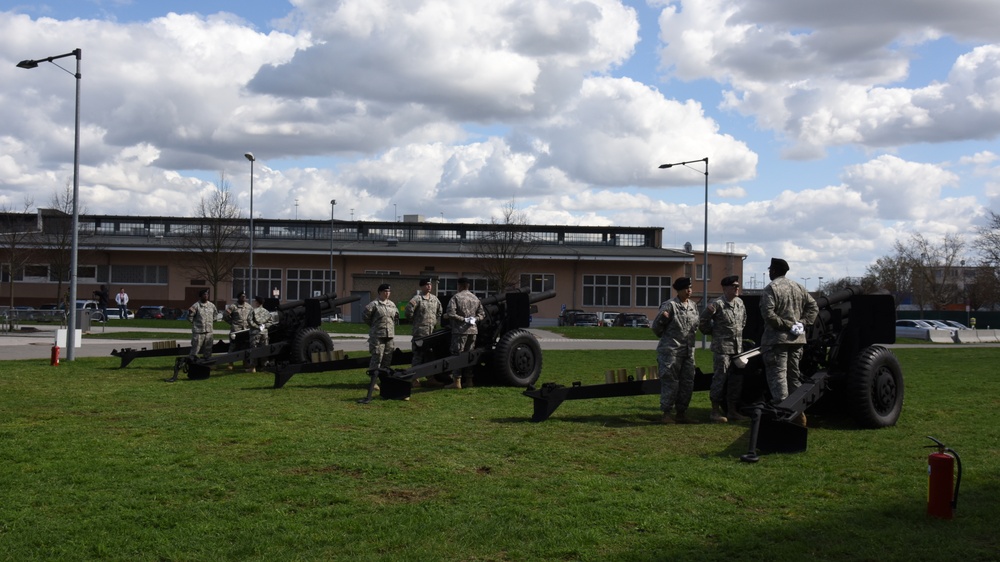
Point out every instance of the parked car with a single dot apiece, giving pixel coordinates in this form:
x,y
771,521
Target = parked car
x,y
566,317
608,318
586,319
957,325
942,325
158,312
628,320
96,315
916,329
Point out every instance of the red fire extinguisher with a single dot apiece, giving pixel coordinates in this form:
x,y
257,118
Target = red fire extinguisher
x,y
941,498
55,355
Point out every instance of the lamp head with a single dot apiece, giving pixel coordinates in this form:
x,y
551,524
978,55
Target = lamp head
x,y
665,166
28,64
249,156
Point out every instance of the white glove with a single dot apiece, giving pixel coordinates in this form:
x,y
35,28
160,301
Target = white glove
x,y
470,320
798,329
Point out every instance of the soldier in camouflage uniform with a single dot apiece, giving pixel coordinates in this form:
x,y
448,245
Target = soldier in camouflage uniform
x,y
381,316
424,311
259,320
676,323
238,317
201,315
787,309
464,311
724,319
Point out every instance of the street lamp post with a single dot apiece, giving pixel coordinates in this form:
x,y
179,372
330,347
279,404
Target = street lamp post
x,y
249,156
75,235
333,207
819,288
704,266
806,281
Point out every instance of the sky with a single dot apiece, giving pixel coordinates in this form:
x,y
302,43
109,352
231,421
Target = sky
x,y
832,129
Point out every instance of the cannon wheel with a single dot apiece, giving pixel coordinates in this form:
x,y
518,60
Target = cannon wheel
x,y
875,388
517,359
308,341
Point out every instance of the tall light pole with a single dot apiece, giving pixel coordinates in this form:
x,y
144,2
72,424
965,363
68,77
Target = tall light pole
x,y
806,280
75,235
819,287
333,207
249,156
704,266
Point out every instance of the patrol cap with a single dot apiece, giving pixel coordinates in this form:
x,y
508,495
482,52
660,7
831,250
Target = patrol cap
x,y
779,265
731,280
384,287
682,283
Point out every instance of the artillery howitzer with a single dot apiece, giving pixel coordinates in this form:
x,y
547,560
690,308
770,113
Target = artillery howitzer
x,y
505,353
842,357
296,336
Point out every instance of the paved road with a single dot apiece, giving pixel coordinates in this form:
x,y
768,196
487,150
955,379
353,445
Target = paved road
x,y
38,344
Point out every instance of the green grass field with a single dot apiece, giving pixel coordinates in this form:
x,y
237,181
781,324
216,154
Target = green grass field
x,y
108,464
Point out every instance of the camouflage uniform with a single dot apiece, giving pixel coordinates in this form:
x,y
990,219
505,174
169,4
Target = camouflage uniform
x,y
463,334
425,313
201,315
726,328
260,319
675,354
238,317
784,303
381,317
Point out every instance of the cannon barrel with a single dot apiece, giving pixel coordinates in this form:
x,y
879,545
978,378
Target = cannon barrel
x,y
326,302
840,296
500,296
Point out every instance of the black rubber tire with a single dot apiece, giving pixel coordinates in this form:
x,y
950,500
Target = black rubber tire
x,y
875,388
307,342
517,359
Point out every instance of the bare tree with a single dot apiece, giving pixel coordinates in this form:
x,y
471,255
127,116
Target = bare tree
x,y
985,290
499,248
58,239
928,270
18,235
220,241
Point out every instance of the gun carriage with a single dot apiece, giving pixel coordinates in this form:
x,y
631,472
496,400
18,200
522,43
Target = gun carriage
x,y
295,336
845,358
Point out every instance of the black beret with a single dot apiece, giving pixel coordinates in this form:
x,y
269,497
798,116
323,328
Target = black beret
x,y
384,287
682,283
425,281
778,264
463,281
202,292
731,280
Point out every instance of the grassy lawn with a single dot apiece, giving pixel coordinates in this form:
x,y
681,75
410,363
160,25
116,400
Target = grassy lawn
x,y
108,464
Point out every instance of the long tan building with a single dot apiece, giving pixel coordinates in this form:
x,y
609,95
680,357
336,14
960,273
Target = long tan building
x,y
593,268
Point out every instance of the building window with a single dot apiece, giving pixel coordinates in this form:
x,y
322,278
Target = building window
x,y
265,281
699,272
538,282
448,286
651,290
133,274
607,290
309,283
382,272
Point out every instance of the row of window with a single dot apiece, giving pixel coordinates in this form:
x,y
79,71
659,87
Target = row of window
x,y
598,290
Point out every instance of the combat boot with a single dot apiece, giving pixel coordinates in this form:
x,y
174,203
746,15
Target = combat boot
x,y
467,381
666,419
456,384
800,419
734,413
716,415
